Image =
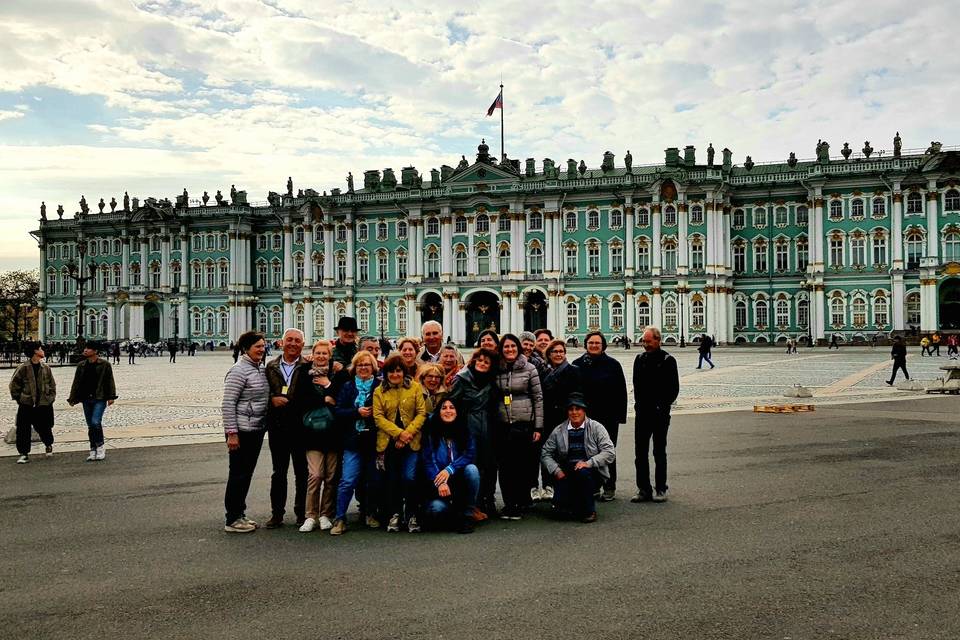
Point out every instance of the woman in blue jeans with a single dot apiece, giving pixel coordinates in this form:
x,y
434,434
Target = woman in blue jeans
x,y
354,413
93,386
447,457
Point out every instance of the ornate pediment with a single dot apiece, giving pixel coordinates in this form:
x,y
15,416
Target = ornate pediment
x,y
153,211
480,172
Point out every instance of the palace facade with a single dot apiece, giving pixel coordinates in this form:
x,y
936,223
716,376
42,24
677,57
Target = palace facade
x,y
852,245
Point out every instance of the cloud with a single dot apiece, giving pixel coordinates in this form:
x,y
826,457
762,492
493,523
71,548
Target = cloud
x,y
11,115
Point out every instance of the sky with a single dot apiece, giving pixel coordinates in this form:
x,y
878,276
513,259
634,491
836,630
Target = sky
x,y
98,97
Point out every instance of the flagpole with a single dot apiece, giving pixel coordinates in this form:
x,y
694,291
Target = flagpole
x,y
502,156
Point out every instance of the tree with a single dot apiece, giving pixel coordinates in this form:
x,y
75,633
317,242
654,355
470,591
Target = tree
x,y
18,287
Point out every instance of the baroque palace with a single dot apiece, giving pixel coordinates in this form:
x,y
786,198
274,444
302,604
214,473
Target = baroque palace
x,y
849,245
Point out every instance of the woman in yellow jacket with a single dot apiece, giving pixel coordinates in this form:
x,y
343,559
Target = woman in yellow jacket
x,y
399,411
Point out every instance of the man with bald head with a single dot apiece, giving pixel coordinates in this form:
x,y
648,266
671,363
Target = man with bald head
x,y
283,426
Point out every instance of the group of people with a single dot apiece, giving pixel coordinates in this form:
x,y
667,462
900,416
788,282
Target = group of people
x,y
930,345
34,389
424,437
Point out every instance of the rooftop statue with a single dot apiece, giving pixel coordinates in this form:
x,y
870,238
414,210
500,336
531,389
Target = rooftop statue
x,y
867,149
205,199
792,160
43,210
607,164
113,204
349,182
628,161
582,168
126,201
934,147
710,153
60,212
233,193
463,163
290,186
299,193
483,151
219,198
101,205
83,205
846,151
748,164
897,145
136,203
823,151
571,169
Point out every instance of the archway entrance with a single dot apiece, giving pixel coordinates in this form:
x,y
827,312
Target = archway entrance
x,y
950,304
483,312
535,311
151,322
431,308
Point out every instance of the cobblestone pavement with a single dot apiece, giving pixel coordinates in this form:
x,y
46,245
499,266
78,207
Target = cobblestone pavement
x,y
162,403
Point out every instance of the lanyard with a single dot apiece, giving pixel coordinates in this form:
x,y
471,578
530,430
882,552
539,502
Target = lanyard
x,y
287,373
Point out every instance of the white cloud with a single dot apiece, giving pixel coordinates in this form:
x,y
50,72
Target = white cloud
x,y
10,115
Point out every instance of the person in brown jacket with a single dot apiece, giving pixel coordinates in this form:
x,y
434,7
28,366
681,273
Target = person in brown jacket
x,y
93,386
34,390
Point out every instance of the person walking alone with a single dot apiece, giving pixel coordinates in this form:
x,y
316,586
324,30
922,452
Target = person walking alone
x,y
656,385
705,347
898,353
93,386
34,390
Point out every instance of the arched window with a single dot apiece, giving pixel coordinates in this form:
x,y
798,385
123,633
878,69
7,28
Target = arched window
x,y
176,275
197,245
914,203
341,273
210,274
155,275
670,314
593,259
433,263
836,210
780,217
223,320
643,257
879,249
210,241
856,209
643,217
261,274
483,262
298,269
460,262
210,322
51,325
643,314
781,255
402,318
880,314
402,229
616,316
341,232
362,232
276,273
535,261
117,247
504,260
318,261
593,219
803,254
912,304
363,318
573,316
503,222
433,226
65,325
761,314
318,317
276,321
262,324
570,220
696,254
460,225
739,219
696,214
759,217
52,284
535,222
836,251
838,312
570,259
858,250
224,274
105,277
951,200
914,246
483,223
593,315
670,216
363,268
739,257
697,314
298,235
760,252
803,313
381,230
859,311
382,261
782,311
951,247
879,207
669,257
616,259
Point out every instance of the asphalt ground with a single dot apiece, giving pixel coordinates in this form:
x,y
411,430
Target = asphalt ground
x,y
841,523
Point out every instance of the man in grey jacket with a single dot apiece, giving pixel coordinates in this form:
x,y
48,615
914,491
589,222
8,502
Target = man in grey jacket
x,y
578,454
34,390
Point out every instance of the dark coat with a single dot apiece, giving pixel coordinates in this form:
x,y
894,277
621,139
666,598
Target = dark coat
x,y
899,353
656,383
557,387
106,388
286,417
604,388
346,414
475,401
309,396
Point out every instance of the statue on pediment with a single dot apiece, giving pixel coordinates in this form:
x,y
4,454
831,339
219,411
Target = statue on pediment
x,y
273,198
113,204
483,151
846,151
43,210
823,151
710,153
628,161
571,169
136,203
748,164
897,145
84,208
934,147
233,194
867,149
463,163
299,193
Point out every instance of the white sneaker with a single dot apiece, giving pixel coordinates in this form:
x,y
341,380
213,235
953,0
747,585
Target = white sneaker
x,y
325,524
92,456
547,493
535,494
23,459
101,452
308,525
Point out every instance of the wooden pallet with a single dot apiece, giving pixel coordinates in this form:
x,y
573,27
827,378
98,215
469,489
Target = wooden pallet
x,y
782,408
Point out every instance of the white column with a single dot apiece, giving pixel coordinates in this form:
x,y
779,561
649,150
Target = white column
x,y
456,319
329,321
287,312
933,235
896,230
520,222
631,328
506,313
329,263
184,261
447,314
308,272
548,242
898,294
351,251
234,259
125,262
165,260
656,307
655,241
471,250
553,315
682,229
288,252
928,303
308,328
628,246
144,267
111,319
419,253
183,319
412,320
815,227
446,246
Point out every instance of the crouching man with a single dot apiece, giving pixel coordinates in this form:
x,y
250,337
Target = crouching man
x,y
577,454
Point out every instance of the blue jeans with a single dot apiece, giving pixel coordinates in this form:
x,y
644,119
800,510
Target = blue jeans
x,y
93,412
464,488
356,470
400,480
704,356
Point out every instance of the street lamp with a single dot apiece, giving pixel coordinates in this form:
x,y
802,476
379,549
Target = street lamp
x,y
25,312
76,274
680,292
808,287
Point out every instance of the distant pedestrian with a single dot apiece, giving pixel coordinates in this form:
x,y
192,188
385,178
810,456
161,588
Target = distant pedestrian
x,y
115,352
172,349
131,353
656,385
246,394
705,347
898,353
94,387
34,390
952,343
935,344
236,350
834,344
925,347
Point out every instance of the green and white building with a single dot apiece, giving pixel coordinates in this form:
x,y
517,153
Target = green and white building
x,y
851,245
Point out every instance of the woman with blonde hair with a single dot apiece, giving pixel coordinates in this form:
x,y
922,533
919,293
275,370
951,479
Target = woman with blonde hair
x,y
408,348
399,411
430,378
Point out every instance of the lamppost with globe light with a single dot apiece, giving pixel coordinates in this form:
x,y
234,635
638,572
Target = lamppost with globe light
x,y
75,273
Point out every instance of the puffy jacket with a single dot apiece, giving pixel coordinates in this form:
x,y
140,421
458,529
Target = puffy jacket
x,y
246,395
406,399
521,382
23,386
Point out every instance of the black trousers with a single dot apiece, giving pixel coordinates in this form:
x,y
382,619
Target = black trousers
x,y
242,464
514,445
613,428
38,418
899,365
651,427
574,494
284,448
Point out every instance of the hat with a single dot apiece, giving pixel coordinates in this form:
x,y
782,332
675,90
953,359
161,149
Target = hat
x,y
347,323
576,399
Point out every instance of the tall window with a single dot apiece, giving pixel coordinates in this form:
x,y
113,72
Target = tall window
x,y
210,274
697,315
856,209
363,268
760,256
261,275
643,314
696,214
402,318
759,217
670,314
858,251
593,219
570,260
643,258
433,226
261,242
879,249
880,311
503,222
504,257
276,321
739,219
363,318
616,218
803,314
670,257
643,218
460,225
460,263
593,259
277,242
879,207
381,230
782,255
341,232
836,251
362,232
401,266
951,247
535,266
739,258
175,273
593,315
402,229
803,254
298,235
318,318
913,308
483,261
570,221
951,200
696,254
483,223
616,316
341,276
223,274
780,217
783,313
197,271
433,264
318,261
616,259
105,277
382,272
859,311
803,216
155,275
914,249
836,210
761,314
838,313
914,203
572,316
276,274
670,216
535,222
52,284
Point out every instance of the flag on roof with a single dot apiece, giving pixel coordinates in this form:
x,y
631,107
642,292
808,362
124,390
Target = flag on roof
x,y
497,104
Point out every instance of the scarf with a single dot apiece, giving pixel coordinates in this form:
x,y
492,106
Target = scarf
x,y
364,388
550,380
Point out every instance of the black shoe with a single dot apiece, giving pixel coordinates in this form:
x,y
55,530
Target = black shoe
x,y
890,382
275,522
466,526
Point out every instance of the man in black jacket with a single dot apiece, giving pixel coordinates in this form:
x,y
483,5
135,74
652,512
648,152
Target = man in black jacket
x,y
656,385
605,390
898,353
